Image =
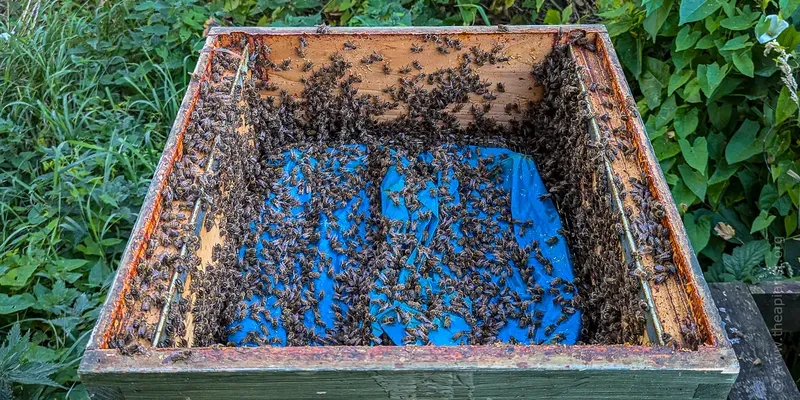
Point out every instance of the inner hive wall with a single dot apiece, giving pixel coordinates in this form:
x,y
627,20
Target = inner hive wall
x,y
300,89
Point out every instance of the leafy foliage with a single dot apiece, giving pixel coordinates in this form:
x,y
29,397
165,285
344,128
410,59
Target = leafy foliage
x,y
18,366
719,108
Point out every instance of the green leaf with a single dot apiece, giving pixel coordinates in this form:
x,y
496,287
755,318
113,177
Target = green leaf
x,y
712,24
19,370
98,274
723,172
69,264
652,5
710,76
744,62
553,17
728,86
719,114
789,7
184,34
737,43
790,37
650,127
695,10
716,146
699,231
683,196
767,197
615,12
744,258
772,258
714,193
16,303
653,22
740,22
345,4
686,122
695,155
762,222
671,179
666,112
743,144
694,180
682,59
786,106
729,7
18,277
307,20
783,205
632,57
41,353
677,80
566,14
691,92
155,30
790,222
651,89
686,38
665,148
706,42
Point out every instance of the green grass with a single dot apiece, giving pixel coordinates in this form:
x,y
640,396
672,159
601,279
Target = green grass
x,y
88,93
82,124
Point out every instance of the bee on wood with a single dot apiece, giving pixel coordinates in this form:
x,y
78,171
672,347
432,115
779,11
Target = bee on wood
x,y
323,29
182,355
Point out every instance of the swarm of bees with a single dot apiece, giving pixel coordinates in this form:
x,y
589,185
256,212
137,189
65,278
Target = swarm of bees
x,y
608,293
280,191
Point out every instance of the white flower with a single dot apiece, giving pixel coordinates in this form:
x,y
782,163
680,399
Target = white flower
x,y
769,28
725,231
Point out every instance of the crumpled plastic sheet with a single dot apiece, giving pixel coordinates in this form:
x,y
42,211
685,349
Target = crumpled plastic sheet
x,y
519,176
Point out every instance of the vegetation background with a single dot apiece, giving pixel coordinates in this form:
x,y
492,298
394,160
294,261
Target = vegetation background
x,y
89,90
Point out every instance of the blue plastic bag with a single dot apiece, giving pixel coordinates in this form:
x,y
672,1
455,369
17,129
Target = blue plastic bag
x,y
533,219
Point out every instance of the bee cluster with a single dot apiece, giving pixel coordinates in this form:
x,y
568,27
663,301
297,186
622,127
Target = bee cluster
x,y
570,160
171,249
308,171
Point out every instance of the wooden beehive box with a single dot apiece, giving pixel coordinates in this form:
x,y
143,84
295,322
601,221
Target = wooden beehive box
x,y
681,353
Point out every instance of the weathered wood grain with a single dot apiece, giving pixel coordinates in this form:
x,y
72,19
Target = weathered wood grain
x,y
693,283
779,303
670,301
763,373
567,372
511,384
